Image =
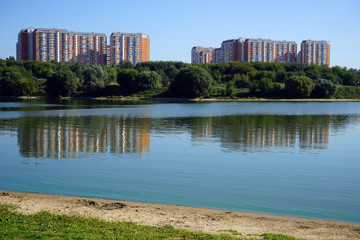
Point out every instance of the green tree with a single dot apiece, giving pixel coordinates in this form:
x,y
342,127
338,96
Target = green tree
x,y
9,77
126,77
243,82
230,89
266,86
95,79
125,65
62,83
299,86
324,89
27,86
192,82
147,80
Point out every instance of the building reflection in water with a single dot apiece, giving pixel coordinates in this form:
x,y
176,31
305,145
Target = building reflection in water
x,y
65,137
254,133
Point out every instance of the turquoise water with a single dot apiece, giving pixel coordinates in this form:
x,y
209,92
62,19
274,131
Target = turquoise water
x,y
297,159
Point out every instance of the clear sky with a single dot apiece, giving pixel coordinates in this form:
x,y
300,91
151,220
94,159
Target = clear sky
x,y
174,27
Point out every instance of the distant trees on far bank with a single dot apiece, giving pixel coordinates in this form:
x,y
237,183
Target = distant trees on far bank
x,y
178,79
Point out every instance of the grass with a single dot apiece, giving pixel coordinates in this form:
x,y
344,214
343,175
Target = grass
x,y
50,226
234,232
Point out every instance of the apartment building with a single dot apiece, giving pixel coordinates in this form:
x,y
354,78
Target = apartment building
x,y
45,44
202,55
315,52
89,48
252,50
132,47
218,55
285,51
238,51
227,50
264,50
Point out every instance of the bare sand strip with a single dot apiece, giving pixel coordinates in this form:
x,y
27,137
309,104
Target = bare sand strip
x,y
190,218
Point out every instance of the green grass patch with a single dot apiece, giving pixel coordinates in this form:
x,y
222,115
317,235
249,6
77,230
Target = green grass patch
x,y
272,236
50,226
234,232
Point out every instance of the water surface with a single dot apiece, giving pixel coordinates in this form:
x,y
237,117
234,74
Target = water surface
x,y
297,159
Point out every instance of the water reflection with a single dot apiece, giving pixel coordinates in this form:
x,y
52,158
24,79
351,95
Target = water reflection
x,y
64,137
257,132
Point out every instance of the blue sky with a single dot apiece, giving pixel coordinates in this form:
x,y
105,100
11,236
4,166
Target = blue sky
x,y
174,27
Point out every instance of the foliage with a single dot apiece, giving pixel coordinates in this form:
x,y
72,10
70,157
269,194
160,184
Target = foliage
x,y
147,80
350,92
233,79
95,79
230,89
192,82
126,77
62,83
28,87
266,86
324,89
299,86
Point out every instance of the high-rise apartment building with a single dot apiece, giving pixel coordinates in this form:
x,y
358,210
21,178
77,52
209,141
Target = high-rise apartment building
x,y
218,55
227,50
202,55
261,50
316,52
44,44
285,51
132,47
238,51
264,50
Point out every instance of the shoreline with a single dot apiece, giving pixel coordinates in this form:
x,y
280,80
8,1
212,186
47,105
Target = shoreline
x,y
190,218
189,100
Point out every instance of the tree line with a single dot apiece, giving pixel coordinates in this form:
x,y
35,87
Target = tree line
x,y
177,79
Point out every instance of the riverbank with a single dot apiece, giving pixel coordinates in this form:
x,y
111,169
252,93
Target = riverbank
x,y
189,218
190,100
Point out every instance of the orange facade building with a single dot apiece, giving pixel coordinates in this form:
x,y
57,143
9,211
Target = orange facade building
x,y
266,50
132,47
315,52
202,55
44,44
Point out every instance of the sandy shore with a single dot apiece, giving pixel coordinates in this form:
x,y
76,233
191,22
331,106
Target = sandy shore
x,y
195,219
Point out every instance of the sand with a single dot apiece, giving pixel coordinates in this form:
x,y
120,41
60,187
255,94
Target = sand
x,y
190,218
